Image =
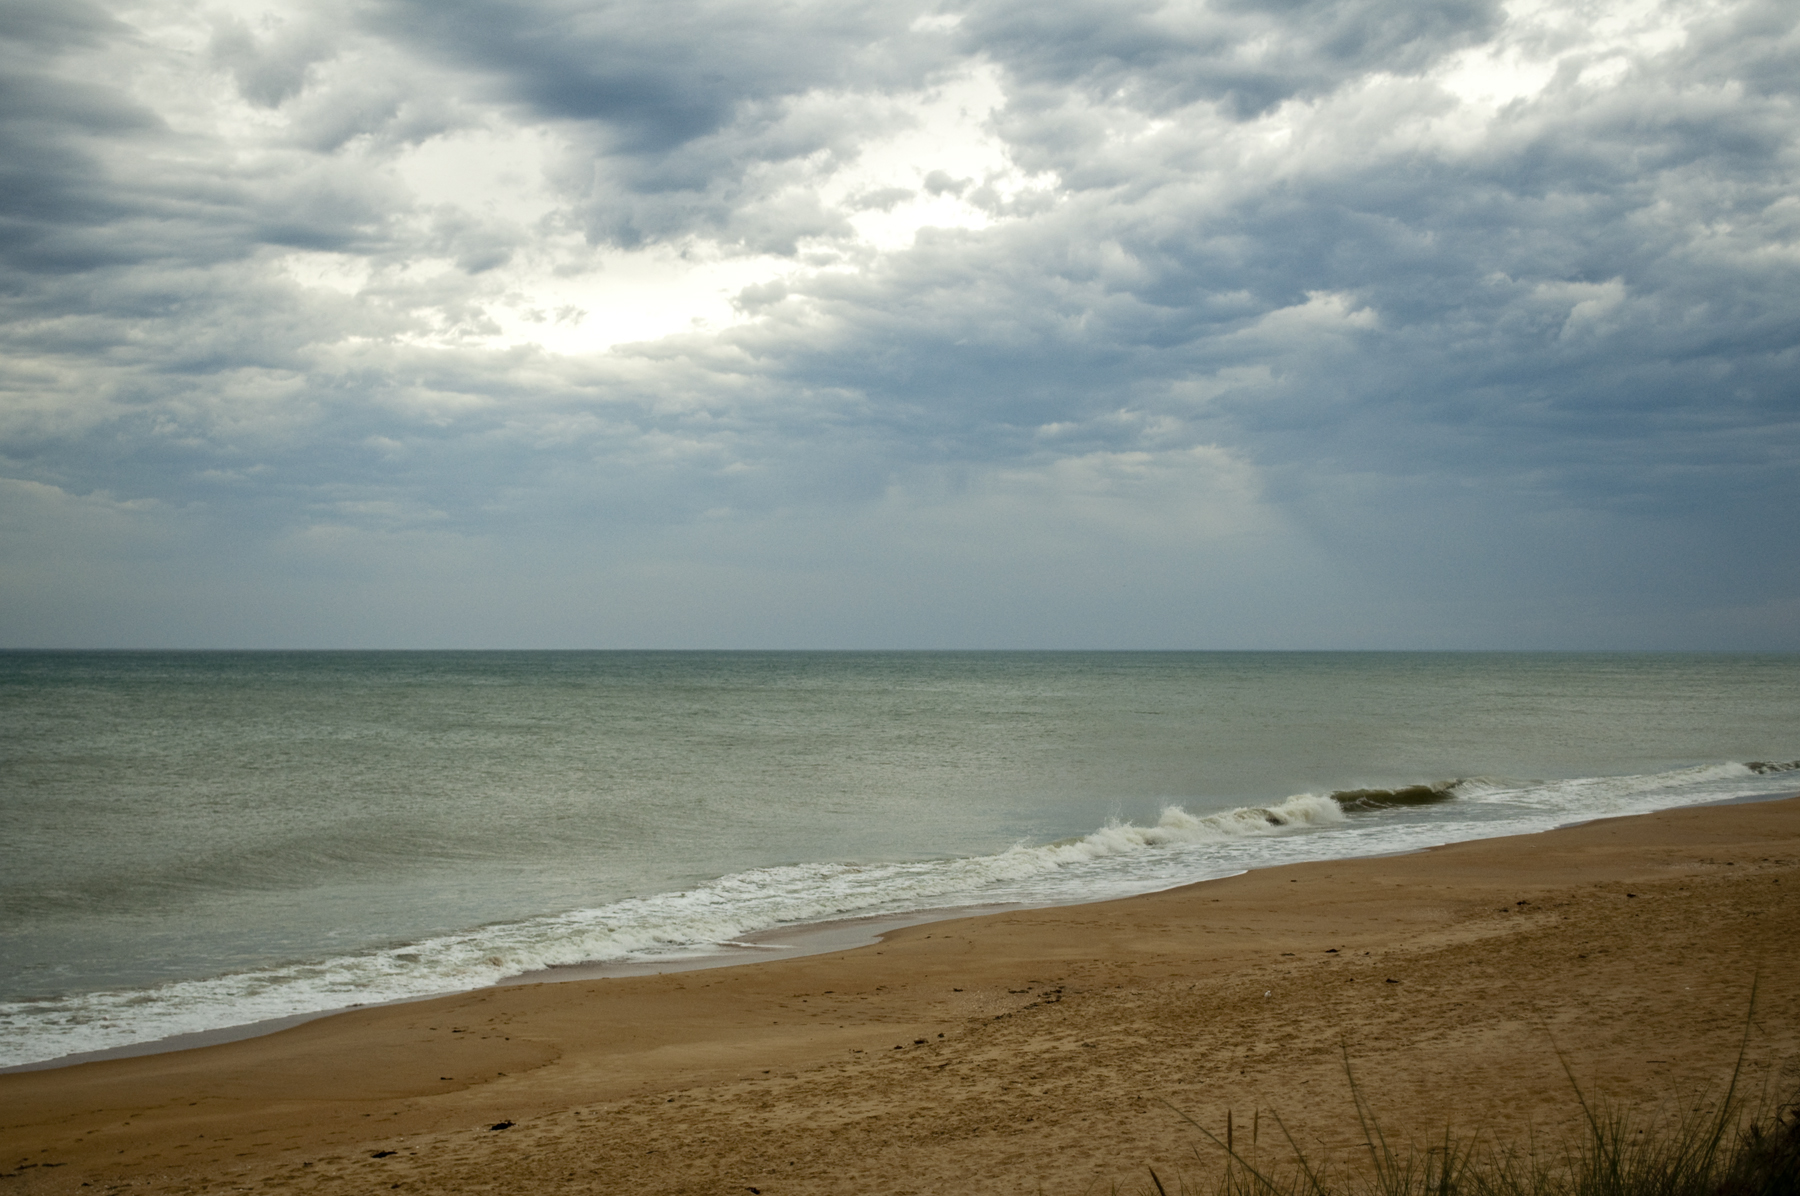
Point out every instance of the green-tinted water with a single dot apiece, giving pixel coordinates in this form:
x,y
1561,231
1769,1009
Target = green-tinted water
x,y
178,816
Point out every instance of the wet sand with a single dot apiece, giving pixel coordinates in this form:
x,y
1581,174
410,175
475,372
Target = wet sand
x,y
1023,1051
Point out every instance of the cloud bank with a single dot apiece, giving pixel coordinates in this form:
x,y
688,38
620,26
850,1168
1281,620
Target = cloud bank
x,y
1292,323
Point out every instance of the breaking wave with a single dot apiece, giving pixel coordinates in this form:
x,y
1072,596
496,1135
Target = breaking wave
x,y
1388,799
661,926
1120,857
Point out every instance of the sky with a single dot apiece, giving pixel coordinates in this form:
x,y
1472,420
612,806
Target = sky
x,y
979,324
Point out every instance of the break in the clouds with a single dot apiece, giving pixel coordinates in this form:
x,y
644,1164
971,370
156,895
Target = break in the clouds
x,y
998,323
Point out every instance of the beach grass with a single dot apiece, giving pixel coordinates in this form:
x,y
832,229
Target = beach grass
x,y
1713,1147
1721,1150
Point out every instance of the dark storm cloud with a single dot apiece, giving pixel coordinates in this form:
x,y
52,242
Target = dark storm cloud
x,y
660,75
50,176
47,26
693,108
269,71
94,178
1247,55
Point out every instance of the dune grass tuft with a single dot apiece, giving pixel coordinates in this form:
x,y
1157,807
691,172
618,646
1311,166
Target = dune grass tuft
x,y
1718,1153
1715,1149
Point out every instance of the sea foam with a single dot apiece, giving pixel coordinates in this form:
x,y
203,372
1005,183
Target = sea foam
x,y
1120,857
659,926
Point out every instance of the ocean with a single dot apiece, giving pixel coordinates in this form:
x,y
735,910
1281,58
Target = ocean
x,y
201,840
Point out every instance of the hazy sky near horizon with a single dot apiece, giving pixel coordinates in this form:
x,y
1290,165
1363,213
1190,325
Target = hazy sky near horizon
x,y
984,323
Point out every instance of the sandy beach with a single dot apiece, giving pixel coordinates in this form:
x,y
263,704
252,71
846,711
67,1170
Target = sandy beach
x,y
1040,1050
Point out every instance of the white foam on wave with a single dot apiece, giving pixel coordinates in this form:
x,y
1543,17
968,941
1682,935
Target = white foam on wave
x,y
1599,796
663,925
1120,857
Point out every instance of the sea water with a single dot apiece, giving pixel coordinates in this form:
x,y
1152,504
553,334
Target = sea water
x,y
200,840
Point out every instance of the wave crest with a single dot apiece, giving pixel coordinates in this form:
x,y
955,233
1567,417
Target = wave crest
x,y
1388,799
662,925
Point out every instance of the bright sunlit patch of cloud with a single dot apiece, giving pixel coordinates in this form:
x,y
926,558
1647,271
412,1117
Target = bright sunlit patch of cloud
x,y
498,170
619,297
1604,73
344,273
1516,65
629,297
1539,37
1591,306
1647,26
1323,311
937,22
946,170
190,63
491,258
1599,45
1491,76
486,259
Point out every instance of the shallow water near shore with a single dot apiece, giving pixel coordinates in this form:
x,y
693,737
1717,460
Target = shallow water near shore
x,y
198,840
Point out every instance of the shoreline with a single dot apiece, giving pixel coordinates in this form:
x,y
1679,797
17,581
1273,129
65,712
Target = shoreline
x,y
803,939
812,938
1012,1051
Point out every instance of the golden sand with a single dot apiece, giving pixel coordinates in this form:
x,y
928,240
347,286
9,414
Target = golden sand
x,y
1031,1051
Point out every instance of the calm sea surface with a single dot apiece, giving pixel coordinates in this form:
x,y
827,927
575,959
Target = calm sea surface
x,y
197,840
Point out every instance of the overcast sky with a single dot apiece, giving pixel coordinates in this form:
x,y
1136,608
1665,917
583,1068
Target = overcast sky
x,y
873,323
